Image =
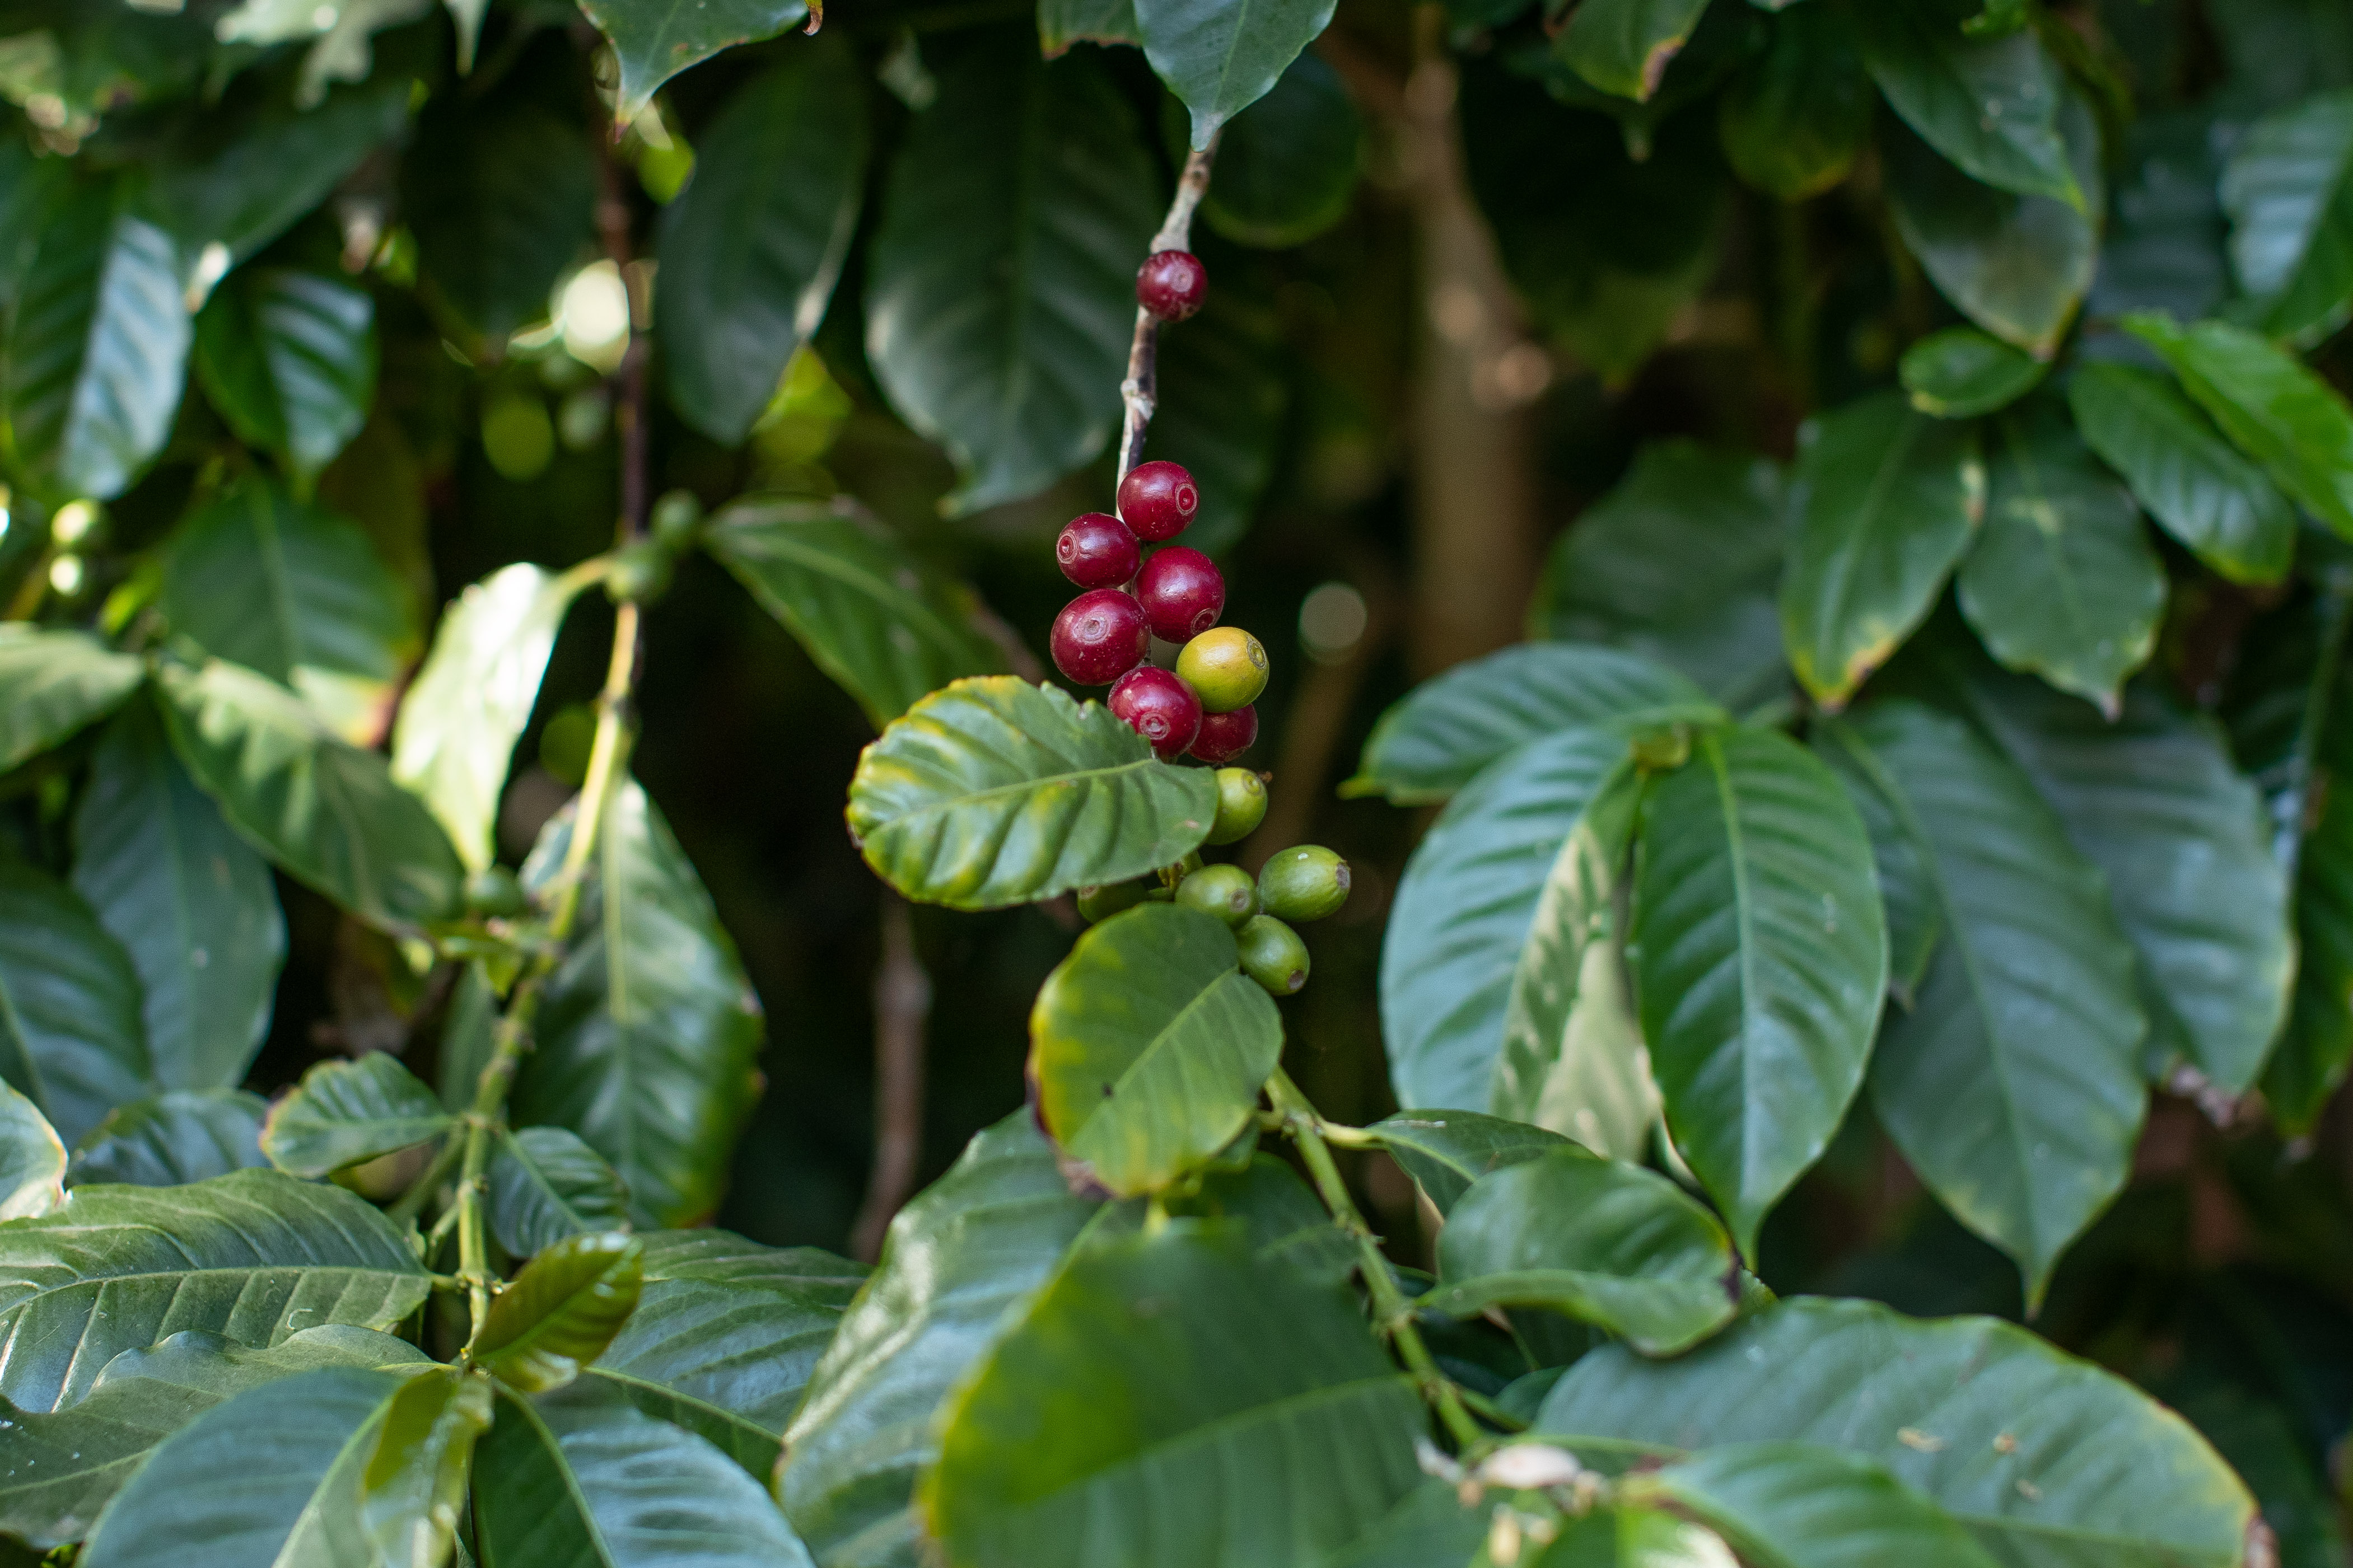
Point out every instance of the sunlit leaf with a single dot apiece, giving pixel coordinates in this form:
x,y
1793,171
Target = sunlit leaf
x,y
345,1113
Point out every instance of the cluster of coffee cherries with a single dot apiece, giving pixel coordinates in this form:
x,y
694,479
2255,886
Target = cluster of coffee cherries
x,y
1204,707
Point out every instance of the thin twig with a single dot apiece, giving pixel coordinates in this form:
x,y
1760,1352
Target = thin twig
x,y
903,1001
1142,386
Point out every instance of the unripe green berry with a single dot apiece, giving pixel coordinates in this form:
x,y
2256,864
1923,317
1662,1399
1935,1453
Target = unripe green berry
x,y
1303,884
1099,904
1272,956
1242,806
493,890
640,573
1226,666
675,518
1225,891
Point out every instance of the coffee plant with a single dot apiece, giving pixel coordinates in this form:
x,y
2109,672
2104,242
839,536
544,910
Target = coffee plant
x,y
1859,934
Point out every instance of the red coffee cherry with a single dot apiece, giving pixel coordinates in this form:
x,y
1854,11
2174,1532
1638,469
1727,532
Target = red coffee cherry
x,y
1096,550
1182,593
1157,500
1099,637
1171,284
1225,736
1162,707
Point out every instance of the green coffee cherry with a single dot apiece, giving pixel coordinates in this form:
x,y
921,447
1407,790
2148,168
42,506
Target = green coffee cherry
x,y
493,890
1099,904
641,572
1272,956
1225,891
1242,806
675,518
1303,884
1226,666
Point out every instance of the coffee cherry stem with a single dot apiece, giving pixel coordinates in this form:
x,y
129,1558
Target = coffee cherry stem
x,y
1138,392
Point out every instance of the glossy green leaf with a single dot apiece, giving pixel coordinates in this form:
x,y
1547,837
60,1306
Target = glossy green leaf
x,y
1149,1047
298,593
2216,503
2164,246
996,792
2273,409
653,40
2289,190
1607,1243
2012,1082
1061,23
561,1311
413,1490
455,735
326,811
1785,1505
958,1261
1447,1151
1884,500
345,1113
1990,106
579,1479
1286,169
546,1184
887,631
70,1038
1623,47
1224,387
289,358
97,347
749,259
190,901
649,1029
1759,954
53,682
254,1255
32,1159
1152,1374
1962,1410
1961,373
1797,117
1220,57
501,199
1000,294
1450,727
1678,563
2063,583
1288,1226
181,1136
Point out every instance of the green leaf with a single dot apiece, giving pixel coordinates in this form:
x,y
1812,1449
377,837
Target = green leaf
x,y
70,1038
414,1488
2063,581
1786,1504
342,51
653,40
64,1467
561,1311
2163,247
1152,1373
1000,294
53,682
1960,373
996,792
1797,117
1961,1410
749,258
577,1479
290,359
98,345
546,1184
345,1113
1224,387
455,735
1624,1538
957,1261
2216,503
1990,106
1450,727
1287,168
1447,1151
32,1160
1623,47
725,1336
1759,955
843,585
298,593
190,901
1678,563
1606,1243
1884,500
182,1136
2012,1082
1061,23
325,811
1149,1047
2289,190
1500,958
650,1030
501,200
254,1256
1220,56
1288,1226
2273,409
